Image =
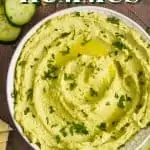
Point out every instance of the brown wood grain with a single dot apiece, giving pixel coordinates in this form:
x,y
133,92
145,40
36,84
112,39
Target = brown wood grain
x,y
139,12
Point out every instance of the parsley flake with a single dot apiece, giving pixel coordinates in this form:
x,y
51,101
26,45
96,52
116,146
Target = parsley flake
x,y
65,34
38,144
93,92
78,128
22,63
148,124
58,139
63,131
26,111
51,109
121,103
116,95
148,30
77,14
113,20
69,76
119,44
65,52
29,93
72,86
102,126
51,73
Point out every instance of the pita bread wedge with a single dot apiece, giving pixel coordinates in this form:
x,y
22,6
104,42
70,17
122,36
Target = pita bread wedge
x,y
4,137
4,127
3,146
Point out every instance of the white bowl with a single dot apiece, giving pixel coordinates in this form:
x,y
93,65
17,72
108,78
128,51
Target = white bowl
x,y
142,136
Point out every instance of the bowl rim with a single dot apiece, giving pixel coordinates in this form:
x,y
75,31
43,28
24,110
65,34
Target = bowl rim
x,y
11,69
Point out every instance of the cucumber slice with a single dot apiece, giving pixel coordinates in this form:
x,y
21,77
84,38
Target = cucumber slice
x,y
8,32
19,13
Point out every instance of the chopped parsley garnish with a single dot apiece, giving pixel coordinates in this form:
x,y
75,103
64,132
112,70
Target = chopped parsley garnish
x,y
116,53
50,61
85,41
113,137
84,113
93,92
31,66
83,63
119,44
105,36
73,35
65,34
65,52
128,58
14,94
107,103
63,131
114,123
47,120
91,66
58,139
89,13
78,128
54,125
119,68
148,30
38,144
148,46
58,43
113,53
121,103
26,111
45,48
77,14
127,124
51,73
113,20
102,126
33,116
29,93
44,90
22,63
119,35
121,146
102,31
128,98
53,56
36,59
141,82
72,86
79,55
116,95
51,109
69,76
139,106
148,124
140,73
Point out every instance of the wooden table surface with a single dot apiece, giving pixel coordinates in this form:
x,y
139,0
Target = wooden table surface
x,y
139,12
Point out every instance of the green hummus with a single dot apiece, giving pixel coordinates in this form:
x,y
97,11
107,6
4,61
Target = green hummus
x,y
82,82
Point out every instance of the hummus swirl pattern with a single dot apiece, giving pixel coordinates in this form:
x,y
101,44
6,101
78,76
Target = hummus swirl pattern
x,y
82,82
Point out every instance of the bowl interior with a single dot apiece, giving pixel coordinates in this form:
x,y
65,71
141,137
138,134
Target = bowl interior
x,y
11,71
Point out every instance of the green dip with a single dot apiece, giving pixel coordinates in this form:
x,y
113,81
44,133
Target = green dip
x,y
82,83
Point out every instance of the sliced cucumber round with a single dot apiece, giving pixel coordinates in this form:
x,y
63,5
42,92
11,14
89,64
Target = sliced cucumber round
x,y
8,32
19,13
